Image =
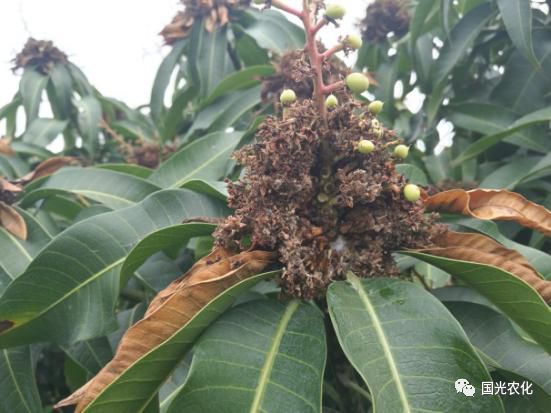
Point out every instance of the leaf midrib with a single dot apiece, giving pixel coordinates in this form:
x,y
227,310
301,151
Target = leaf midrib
x,y
266,370
356,284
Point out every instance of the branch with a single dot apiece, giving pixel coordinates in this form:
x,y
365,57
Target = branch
x,y
333,87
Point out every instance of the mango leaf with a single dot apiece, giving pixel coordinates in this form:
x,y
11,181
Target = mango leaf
x,y
162,79
20,394
31,150
420,15
413,174
507,292
489,118
89,119
528,95
401,339
461,38
205,158
129,169
481,145
242,79
16,367
517,16
43,131
31,86
226,110
91,355
150,349
113,189
254,344
82,267
485,327
272,30
165,238
208,57
63,89
215,189
175,117
519,171
492,204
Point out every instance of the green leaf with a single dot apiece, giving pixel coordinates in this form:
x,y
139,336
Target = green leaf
x,y
125,320
81,83
420,15
412,173
205,158
208,56
18,386
215,189
242,79
43,131
483,144
517,16
82,267
63,89
31,87
242,362
226,110
488,118
485,327
18,253
160,240
129,169
113,189
89,119
133,389
91,355
272,30
162,79
175,117
19,391
31,150
523,86
521,170
507,292
406,346
461,38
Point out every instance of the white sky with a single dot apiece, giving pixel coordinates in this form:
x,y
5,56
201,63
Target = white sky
x,y
114,42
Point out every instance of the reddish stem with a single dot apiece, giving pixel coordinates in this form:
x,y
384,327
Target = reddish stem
x,y
330,52
333,87
319,25
316,59
282,6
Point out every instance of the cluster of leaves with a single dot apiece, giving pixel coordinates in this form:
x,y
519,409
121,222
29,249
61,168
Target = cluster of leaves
x,y
105,245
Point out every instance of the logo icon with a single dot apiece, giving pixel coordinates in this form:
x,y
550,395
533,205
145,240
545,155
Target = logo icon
x,y
463,386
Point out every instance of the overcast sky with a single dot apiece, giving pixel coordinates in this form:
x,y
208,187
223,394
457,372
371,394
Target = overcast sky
x,y
115,42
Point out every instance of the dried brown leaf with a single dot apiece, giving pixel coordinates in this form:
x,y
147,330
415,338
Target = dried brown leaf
x,y
8,186
12,221
5,148
481,249
47,167
172,309
493,204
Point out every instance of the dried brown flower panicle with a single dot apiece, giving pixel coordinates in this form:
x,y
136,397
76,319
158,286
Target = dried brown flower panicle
x,y
309,193
384,17
39,54
215,12
323,220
